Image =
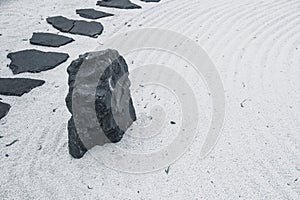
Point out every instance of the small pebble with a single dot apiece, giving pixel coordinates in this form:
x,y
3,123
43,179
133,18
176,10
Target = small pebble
x,y
89,187
167,170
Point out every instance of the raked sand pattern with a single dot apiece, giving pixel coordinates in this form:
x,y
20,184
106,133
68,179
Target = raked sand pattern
x,y
255,45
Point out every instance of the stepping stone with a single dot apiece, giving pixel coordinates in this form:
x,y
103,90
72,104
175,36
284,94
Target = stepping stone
x,y
92,29
151,0
96,92
35,61
92,13
80,27
122,4
50,39
4,108
61,23
18,86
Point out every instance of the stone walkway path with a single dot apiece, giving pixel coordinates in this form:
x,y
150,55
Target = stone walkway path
x,y
35,61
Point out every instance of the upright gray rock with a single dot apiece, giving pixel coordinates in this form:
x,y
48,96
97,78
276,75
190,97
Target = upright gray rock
x,y
99,101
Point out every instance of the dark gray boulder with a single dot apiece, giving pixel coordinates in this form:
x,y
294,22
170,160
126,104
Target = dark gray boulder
x,y
99,100
80,27
4,108
18,86
49,39
35,61
92,13
122,4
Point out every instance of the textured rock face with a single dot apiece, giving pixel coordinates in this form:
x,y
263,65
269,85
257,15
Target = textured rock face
x,y
99,100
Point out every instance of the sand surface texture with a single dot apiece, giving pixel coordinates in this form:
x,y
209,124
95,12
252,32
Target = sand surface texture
x,y
255,46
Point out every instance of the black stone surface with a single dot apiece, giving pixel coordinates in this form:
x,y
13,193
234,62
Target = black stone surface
x,y
4,108
151,0
35,61
80,27
110,109
92,29
18,86
92,13
122,4
61,23
50,39
76,148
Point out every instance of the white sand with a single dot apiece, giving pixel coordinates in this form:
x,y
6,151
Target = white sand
x,y
255,45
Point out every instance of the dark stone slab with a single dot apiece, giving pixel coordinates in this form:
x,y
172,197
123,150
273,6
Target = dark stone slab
x,y
61,23
122,4
50,39
92,29
106,95
35,61
80,27
151,0
92,13
4,108
18,86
